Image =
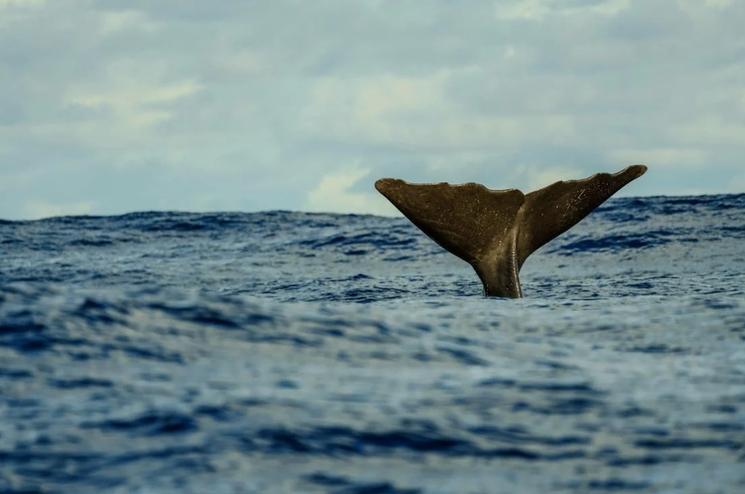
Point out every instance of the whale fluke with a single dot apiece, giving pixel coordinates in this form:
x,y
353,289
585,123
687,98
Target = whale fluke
x,y
496,230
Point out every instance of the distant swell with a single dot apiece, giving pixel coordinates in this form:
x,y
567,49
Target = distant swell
x,y
288,352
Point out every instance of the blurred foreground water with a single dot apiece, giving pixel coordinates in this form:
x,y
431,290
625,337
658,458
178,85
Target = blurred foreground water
x,y
287,352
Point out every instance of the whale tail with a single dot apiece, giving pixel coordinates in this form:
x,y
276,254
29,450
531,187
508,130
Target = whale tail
x,y
496,230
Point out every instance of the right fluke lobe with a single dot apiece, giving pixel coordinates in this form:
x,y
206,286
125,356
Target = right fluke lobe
x,y
496,230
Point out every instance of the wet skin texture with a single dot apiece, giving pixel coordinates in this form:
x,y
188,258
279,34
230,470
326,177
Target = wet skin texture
x,y
496,230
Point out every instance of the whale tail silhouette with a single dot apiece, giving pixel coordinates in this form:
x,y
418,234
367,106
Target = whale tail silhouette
x,y
496,230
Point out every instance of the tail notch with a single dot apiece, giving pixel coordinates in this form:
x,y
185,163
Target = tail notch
x,y
496,230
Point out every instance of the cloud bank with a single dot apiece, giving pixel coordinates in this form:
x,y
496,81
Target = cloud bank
x,y
114,106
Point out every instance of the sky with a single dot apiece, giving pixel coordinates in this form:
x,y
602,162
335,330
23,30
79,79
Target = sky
x,y
114,106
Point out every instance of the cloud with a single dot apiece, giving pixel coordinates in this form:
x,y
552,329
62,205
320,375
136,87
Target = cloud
x,y
334,193
677,158
42,209
539,177
718,4
117,22
21,3
532,10
241,105
137,104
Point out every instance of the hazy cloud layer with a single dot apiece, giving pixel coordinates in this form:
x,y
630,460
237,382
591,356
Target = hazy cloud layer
x,y
112,106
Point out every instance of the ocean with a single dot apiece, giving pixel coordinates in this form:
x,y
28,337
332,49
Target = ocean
x,y
288,352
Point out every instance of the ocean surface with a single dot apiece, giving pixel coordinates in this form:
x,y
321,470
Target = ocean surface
x,y
286,352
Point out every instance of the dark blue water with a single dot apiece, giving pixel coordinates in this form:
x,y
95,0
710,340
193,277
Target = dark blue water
x,y
308,353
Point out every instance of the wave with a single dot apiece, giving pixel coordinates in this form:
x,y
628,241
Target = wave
x,y
297,352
